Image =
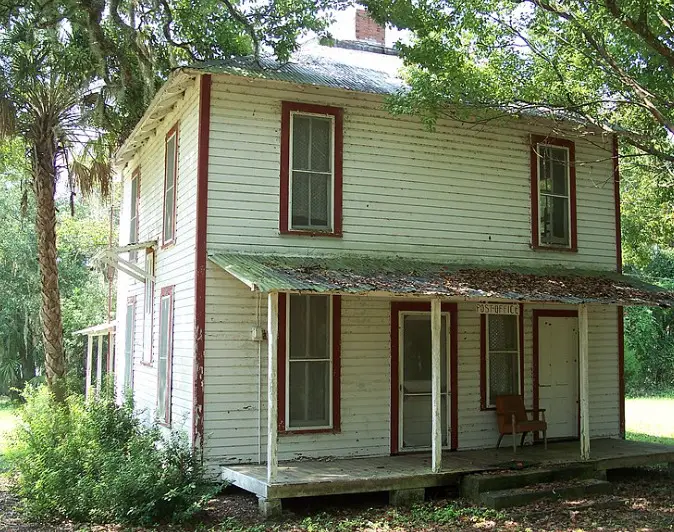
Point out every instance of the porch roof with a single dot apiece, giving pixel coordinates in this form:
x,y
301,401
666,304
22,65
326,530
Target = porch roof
x,y
352,274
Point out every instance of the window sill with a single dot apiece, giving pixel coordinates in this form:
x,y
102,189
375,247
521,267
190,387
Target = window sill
x,y
170,243
538,247
308,431
488,409
146,364
329,234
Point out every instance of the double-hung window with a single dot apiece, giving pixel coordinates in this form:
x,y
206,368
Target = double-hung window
x,y
501,352
133,211
311,363
311,169
553,194
170,182
165,356
129,326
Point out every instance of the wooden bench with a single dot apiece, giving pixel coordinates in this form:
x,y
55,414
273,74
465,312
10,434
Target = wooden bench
x,y
512,419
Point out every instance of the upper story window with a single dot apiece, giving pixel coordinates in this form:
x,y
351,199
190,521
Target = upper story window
x,y
553,191
311,169
170,182
133,211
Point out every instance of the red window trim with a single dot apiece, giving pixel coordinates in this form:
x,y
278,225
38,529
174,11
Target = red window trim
x,y
148,363
284,220
173,131
483,357
451,308
167,291
535,236
336,367
619,268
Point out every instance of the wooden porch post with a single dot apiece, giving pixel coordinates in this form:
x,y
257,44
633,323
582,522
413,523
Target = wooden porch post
x,y
436,329
99,365
584,383
90,363
272,385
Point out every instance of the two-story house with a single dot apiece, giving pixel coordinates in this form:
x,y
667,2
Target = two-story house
x,y
311,277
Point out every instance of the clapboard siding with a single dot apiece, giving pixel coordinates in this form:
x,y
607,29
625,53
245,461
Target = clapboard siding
x,y
460,192
236,373
174,265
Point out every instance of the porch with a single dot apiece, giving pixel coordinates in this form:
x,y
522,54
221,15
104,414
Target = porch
x,y
413,471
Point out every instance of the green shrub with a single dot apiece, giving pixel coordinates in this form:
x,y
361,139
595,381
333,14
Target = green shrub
x,y
95,462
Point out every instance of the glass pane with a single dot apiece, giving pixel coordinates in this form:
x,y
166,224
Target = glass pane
x,y
560,217
128,347
503,332
418,423
559,171
321,144
544,169
320,200
168,215
301,142
417,354
300,199
162,362
502,375
309,385
309,327
170,162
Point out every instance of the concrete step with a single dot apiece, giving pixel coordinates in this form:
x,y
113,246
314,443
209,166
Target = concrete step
x,y
508,498
473,485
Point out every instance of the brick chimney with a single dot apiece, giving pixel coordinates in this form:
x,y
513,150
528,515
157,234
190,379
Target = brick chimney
x,y
368,30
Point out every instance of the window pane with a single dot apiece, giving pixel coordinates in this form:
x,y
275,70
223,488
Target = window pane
x,y
301,142
503,332
309,327
544,168
321,149
298,327
554,220
162,362
128,347
417,353
320,200
168,216
502,375
300,199
133,229
170,162
309,394
169,200
559,172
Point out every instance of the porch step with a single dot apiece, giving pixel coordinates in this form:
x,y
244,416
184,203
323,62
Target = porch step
x,y
473,485
507,498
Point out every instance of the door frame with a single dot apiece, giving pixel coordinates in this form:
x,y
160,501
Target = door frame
x,y
406,306
535,364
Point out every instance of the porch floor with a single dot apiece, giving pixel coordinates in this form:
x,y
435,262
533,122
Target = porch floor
x,y
408,471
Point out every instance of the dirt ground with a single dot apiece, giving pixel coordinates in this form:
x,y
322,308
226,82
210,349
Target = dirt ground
x,y
643,500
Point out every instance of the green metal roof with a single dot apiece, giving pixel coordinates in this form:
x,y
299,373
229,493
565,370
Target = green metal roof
x,y
352,274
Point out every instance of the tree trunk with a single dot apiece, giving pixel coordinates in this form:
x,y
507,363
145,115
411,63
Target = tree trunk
x,y
44,176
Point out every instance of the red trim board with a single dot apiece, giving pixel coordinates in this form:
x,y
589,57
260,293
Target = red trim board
x,y
200,260
619,267
336,367
451,308
287,108
535,237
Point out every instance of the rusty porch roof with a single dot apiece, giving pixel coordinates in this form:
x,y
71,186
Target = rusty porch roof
x,y
399,276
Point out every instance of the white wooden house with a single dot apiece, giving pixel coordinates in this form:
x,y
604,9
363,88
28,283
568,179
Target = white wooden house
x,y
307,275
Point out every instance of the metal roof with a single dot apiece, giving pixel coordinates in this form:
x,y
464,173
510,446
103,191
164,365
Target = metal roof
x,y
399,276
323,66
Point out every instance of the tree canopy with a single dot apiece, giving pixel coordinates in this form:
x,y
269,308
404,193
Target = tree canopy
x,y
607,62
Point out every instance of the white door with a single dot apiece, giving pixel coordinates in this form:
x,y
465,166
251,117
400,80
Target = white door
x,y
558,374
415,380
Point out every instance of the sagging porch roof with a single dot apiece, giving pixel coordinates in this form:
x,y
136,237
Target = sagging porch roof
x,y
351,274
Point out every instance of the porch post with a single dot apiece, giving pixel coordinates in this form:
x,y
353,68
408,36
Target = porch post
x,y
584,383
272,380
436,328
90,363
99,365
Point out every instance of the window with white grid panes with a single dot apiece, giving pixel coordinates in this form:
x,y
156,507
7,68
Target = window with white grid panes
x,y
312,165
503,354
309,362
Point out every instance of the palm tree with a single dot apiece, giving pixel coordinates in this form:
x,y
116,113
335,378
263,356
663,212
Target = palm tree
x,y
42,101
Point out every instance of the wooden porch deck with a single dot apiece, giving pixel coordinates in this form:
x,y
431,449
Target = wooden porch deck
x,y
359,475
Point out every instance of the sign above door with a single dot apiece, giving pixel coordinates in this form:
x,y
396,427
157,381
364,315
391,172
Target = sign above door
x,y
498,308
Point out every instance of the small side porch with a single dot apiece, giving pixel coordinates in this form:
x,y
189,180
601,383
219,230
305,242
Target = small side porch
x,y
412,473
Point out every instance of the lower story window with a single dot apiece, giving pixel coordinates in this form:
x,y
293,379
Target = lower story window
x,y
502,356
310,363
165,356
129,325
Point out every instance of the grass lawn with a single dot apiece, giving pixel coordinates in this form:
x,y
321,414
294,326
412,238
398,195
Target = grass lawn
x,y
650,419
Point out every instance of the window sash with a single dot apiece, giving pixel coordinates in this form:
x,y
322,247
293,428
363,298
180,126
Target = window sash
x,y
171,172
312,173
133,217
515,353
148,308
295,363
128,344
164,356
543,205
